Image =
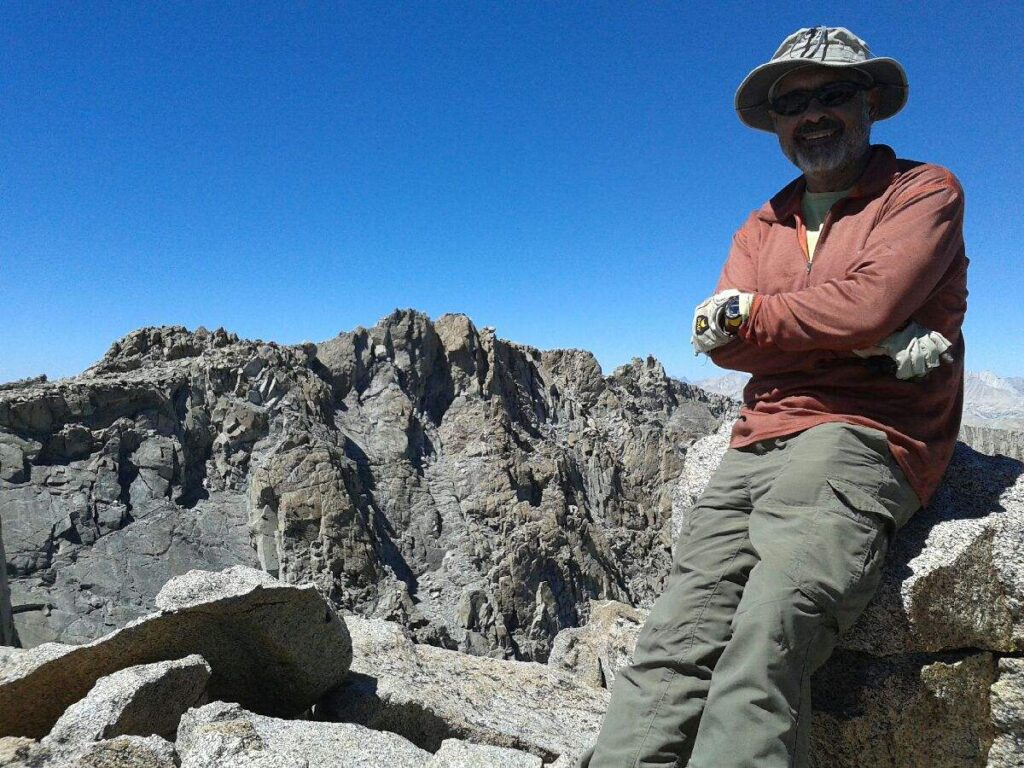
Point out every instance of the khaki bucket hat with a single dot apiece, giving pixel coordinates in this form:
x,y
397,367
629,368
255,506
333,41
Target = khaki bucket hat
x,y
820,46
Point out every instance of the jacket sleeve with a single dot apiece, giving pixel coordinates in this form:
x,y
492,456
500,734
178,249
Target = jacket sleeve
x,y
740,272
762,361
910,250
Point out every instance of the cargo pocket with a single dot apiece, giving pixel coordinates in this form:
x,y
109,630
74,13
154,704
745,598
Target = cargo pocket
x,y
841,562
859,505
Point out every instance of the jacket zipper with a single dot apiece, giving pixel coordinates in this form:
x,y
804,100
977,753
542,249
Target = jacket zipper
x,y
801,236
801,229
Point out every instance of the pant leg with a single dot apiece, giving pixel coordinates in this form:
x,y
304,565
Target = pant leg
x,y
656,702
820,526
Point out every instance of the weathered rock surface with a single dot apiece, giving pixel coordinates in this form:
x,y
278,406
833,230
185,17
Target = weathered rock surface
x,y
102,587
429,694
273,647
119,752
15,749
7,634
145,700
595,652
955,576
994,440
910,712
222,734
1007,705
479,491
463,754
700,465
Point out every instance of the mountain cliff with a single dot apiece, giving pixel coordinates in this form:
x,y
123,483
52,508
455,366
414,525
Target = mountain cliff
x,y
479,491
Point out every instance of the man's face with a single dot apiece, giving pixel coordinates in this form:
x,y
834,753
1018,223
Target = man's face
x,y
824,140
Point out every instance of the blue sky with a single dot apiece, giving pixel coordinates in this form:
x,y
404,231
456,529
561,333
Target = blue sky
x,y
570,173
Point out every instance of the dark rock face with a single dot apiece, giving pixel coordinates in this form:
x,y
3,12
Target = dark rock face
x,y
993,440
7,636
478,491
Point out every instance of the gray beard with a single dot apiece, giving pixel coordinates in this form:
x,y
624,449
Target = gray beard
x,y
817,160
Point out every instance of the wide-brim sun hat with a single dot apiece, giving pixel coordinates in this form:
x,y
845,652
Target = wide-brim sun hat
x,y
820,46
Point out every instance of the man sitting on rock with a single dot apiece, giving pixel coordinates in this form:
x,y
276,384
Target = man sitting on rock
x,y
841,296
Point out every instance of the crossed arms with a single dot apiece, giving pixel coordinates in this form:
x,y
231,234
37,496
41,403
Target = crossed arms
x,y
907,270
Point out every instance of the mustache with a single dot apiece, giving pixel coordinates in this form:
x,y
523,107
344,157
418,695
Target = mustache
x,y
823,124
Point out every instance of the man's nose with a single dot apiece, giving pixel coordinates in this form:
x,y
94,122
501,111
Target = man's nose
x,y
814,112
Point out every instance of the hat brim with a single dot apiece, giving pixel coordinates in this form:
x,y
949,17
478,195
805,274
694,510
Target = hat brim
x,y
751,100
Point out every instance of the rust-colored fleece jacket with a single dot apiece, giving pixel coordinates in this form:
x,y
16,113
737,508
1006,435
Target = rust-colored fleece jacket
x,y
891,252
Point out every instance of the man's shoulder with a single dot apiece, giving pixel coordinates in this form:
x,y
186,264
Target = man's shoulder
x,y
917,175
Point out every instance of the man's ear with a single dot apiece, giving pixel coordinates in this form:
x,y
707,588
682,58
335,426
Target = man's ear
x,y
874,99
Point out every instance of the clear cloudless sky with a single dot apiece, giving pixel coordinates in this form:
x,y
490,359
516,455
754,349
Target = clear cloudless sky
x,y
568,172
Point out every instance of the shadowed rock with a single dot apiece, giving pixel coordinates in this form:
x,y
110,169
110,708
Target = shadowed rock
x,y
909,712
146,700
274,648
955,576
104,586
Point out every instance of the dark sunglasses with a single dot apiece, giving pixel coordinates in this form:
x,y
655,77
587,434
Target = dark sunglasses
x,y
830,95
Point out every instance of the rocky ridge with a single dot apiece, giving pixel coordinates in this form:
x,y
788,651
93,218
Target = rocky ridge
x,y
478,491
994,441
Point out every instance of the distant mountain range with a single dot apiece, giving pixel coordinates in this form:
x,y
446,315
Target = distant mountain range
x,y
730,385
989,400
994,401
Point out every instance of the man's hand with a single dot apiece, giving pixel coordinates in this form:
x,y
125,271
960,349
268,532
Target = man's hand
x,y
916,350
717,319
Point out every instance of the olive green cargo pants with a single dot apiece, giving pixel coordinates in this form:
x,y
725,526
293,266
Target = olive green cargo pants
x,y
781,554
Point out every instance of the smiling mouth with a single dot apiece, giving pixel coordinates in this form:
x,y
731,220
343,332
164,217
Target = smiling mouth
x,y
818,133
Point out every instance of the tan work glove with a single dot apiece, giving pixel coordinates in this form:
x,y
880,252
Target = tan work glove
x,y
916,350
710,329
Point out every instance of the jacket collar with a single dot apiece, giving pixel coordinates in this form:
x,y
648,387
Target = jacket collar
x,y
877,176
